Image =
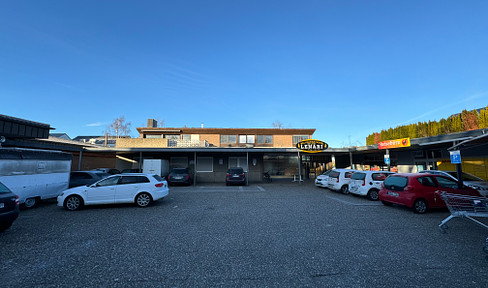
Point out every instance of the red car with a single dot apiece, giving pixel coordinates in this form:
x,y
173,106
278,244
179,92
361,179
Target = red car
x,y
420,191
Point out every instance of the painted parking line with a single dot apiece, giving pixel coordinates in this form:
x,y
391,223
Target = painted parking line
x,y
353,203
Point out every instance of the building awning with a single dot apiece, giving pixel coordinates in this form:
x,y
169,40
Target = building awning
x,y
471,143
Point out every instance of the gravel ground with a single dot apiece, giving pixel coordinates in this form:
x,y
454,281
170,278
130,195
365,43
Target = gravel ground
x,y
269,235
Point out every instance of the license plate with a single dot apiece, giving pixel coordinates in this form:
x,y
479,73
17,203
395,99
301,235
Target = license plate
x,y
178,177
392,193
2,205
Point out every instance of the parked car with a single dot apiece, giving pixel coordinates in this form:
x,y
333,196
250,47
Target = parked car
x,y
339,179
9,207
420,191
235,175
368,183
321,180
138,188
130,171
179,176
83,178
468,180
111,171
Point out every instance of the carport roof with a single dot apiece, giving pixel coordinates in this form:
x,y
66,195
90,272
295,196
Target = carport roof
x,y
470,143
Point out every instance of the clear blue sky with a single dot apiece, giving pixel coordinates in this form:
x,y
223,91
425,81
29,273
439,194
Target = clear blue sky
x,y
346,68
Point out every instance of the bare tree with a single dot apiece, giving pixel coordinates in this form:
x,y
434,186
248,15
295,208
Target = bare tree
x,y
277,124
119,128
160,122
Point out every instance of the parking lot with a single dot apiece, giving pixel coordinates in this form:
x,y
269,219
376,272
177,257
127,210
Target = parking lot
x,y
266,235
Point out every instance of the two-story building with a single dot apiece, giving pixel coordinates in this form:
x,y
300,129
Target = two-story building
x,y
209,152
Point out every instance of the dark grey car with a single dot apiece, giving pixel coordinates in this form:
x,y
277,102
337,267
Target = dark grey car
x,y
235,175
9,207
80,178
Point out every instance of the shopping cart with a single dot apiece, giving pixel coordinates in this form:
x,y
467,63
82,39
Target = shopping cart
x,y
465,207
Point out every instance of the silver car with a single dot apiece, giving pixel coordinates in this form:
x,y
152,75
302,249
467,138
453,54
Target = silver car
x,y
468,180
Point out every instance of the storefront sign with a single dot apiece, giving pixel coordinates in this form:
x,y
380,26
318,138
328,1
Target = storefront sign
x,y
398,143
312,146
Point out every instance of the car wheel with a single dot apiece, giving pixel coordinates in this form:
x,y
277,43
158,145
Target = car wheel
x,y
386,203
345,189
420,206
30,202
373,195
73,203
5,226
143,199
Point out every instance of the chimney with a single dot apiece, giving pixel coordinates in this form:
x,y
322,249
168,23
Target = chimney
x,y
151,123
201,125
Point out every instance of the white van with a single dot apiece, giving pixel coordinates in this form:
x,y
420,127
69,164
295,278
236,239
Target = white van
x,y
339,179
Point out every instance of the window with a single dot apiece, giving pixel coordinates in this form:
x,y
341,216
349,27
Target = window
x,y
186,137
426,181
133,179
358,176
264,139
447,183
172,136
379,176
205,164
80,175
154,136
3,189
298,138
397,183
228,139
347,174
247,139
109,181
238,162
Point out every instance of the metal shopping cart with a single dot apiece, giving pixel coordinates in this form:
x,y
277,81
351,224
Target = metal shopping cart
x,y
465,207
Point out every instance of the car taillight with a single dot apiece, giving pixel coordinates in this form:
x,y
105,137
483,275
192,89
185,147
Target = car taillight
x,y
169,176
187,176
17,200
243,175
159,185
364,182
337,180
227,175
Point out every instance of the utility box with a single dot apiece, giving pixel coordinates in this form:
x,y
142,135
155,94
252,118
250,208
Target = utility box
x,y
156,166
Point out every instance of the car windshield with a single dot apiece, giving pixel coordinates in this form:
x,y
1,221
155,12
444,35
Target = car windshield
x,y
358,176
180,171
3,189
103,175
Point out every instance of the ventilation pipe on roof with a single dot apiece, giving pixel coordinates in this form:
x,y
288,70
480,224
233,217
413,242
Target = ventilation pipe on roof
x,y
201,125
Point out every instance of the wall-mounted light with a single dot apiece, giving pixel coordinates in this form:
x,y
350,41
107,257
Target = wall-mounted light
x,y
254,161
221,161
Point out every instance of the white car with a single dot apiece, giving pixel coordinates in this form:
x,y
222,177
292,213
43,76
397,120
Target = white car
x,y
368,183
469,180
138,188
339,180
321,180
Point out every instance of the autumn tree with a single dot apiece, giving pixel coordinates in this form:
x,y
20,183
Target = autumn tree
x,y
483,118
119,128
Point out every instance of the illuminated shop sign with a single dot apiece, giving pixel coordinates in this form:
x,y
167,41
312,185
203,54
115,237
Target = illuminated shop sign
x,y
397,143
312,146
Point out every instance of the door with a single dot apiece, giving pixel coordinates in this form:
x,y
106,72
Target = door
x,y
102,192
127,188
428,191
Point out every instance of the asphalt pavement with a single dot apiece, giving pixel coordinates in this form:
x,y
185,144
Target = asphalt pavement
x,y
266,235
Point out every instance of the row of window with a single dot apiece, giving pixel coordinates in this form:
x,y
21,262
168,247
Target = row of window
x,y
232,139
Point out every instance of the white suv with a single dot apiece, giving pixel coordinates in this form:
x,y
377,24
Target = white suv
x,y
339,179
368,183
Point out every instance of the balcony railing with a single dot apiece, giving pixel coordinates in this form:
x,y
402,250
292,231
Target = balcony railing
x,y
178,143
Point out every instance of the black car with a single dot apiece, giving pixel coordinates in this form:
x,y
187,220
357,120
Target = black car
x,y
179,176
111,171
131,171
235,175
9,207
80,178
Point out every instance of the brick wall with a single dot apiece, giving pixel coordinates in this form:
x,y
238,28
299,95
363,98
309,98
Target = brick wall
x,y
213,139
282,141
